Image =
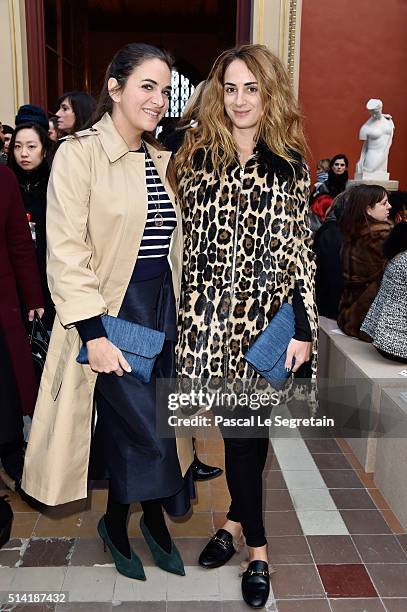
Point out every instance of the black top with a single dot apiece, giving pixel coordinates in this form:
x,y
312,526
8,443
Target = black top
x,y
302,326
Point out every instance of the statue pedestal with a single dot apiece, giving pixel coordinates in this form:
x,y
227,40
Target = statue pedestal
x,y
378,175
387,184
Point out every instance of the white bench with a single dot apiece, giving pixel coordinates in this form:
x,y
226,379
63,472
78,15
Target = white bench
x,y
390,474
343,359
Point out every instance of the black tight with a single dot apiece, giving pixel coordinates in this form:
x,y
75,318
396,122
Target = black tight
x,y
116,523
154,520
12,458
245,459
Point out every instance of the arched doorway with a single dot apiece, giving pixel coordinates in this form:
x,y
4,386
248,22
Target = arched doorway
x,y
72,41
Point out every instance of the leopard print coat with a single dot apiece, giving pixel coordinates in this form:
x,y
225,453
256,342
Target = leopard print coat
x,y
246,243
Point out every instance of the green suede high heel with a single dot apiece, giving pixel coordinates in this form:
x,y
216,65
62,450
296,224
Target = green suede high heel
x,y
132,568
170,562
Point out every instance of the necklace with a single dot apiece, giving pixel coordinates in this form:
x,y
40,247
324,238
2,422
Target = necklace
x,y
158,218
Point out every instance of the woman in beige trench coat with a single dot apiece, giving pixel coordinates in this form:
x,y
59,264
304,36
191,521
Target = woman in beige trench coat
x,y
111,196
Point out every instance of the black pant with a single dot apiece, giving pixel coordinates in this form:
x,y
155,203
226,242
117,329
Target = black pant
x,y
12,458
245,459
11,419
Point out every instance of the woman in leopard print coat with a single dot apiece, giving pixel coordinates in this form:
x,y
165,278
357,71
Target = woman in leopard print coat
x,y
244,191
248,225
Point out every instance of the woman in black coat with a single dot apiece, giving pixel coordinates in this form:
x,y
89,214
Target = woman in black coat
x,y
337,177
29,154
327,248
322,197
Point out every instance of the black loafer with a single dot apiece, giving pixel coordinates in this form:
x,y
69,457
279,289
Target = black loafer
x,y
201,471
218,550
256,584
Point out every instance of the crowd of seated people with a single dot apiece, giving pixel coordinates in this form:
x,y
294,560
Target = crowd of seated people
x,y
361,258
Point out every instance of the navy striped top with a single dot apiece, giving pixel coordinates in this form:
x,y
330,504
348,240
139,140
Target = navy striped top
x,y
161,218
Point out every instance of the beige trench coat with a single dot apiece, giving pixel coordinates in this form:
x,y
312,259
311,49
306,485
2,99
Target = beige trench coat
x,y
96,213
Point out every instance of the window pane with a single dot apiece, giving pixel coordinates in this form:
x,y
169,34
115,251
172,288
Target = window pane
x,y
181,90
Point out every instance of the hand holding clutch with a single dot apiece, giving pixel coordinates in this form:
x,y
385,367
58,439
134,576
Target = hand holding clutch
x,y
268,355
104,357
298,352
139,345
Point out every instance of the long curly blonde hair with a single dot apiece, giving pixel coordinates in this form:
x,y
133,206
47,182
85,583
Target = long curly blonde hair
x,y
280,126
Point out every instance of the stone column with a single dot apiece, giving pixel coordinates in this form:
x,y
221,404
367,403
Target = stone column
x,y
13,64
277,24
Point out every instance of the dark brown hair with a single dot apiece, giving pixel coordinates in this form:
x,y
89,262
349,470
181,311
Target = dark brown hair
x,y
360,198
120,68
83,106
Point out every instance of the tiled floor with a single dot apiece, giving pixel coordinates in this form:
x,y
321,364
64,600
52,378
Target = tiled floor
x,y
334,543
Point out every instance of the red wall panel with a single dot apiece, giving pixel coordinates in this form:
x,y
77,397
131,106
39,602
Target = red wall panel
x,y
351,51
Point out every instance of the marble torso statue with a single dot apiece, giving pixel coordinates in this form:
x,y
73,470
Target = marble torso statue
x,y
377,134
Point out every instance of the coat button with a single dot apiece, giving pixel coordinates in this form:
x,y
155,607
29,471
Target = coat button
x,y
158,156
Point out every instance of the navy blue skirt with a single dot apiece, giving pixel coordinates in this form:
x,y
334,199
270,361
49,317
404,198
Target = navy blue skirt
x,y
126,448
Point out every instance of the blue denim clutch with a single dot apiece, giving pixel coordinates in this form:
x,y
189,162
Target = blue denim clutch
x,y
268,354
140,345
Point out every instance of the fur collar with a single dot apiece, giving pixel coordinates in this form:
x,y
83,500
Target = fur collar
x,y
278,164
270,161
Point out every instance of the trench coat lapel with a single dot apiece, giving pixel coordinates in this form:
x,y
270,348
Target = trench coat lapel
x,y
111,141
